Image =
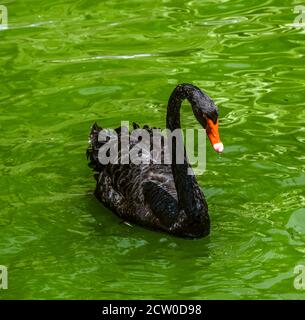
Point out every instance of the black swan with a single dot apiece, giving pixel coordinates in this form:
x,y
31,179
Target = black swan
x,y
163,197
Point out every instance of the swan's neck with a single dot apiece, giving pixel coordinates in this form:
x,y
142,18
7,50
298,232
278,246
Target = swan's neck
x,y
189,195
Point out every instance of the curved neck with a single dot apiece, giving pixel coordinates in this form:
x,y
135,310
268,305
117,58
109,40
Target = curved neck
x,y
190,198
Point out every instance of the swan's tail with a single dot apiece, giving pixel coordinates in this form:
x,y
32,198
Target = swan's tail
x,y
92,151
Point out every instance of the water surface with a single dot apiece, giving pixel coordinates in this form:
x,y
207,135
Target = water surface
x,y
65,64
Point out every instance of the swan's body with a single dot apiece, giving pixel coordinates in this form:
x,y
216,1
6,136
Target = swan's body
x,y
158,196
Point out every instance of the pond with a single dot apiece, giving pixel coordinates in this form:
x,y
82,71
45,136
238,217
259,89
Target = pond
x,y
65,64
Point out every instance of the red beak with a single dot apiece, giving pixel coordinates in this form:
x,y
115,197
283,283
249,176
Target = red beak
x,y
213,134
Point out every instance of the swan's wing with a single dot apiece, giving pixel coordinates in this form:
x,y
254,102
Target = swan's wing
x,y
110,198
162,204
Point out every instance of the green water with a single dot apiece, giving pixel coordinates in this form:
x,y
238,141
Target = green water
x,y
65,64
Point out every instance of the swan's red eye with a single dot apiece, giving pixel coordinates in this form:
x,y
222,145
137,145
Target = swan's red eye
x,y
213,134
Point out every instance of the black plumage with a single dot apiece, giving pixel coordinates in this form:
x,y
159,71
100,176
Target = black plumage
x,y
157,196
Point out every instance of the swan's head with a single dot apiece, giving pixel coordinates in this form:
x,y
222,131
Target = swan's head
x,y
206,113
203,107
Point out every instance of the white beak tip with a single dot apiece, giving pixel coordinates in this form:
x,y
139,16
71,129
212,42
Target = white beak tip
x,y
218,147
